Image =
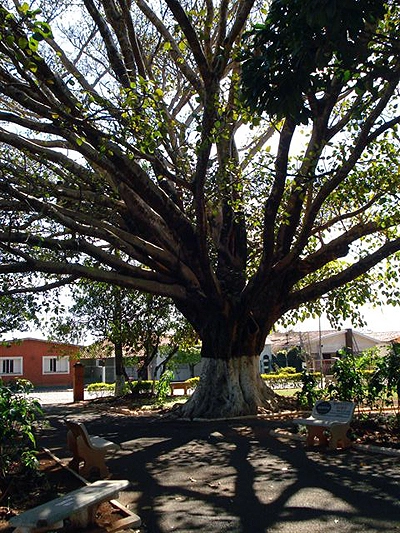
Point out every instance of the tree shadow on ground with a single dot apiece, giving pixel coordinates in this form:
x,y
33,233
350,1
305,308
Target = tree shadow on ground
x,y
233,476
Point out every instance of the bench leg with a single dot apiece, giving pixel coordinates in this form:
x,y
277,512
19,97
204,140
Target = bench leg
x,y
95,461
339,438
316,432
93,464
74,464
84,518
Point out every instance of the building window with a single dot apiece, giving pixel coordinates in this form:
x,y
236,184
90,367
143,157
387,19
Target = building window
x,y
55,365
10,366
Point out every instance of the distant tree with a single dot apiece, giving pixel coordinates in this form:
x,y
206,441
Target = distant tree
x,y
125,126
293,357
186,355
131,321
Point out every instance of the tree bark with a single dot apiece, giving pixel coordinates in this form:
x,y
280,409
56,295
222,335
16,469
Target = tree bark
x,y
119,370
230,388
230,382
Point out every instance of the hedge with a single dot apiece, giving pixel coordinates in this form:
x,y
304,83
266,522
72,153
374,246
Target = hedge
x,y
139,387
285,378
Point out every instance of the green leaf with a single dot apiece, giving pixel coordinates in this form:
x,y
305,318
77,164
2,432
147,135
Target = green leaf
x,y
22,43
24,8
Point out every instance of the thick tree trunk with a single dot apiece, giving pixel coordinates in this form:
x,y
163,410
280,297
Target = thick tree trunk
x,y
230,388
119,385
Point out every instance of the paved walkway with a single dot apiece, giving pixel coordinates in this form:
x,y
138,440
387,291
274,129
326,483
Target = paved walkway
x,y
233,476
58,395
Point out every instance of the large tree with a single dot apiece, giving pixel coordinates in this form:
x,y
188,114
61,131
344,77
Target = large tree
x,y
123,129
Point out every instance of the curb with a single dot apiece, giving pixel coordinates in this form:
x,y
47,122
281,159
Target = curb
x,y
377,449
361,447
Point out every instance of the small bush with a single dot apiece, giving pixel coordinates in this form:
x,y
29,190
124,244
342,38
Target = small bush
x,y
288,370
282,380
18,415
193,382
139,387
310,391
101,387
162,386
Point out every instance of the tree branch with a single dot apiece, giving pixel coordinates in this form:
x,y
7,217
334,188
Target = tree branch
x,y
318,289
176,54
113,54
40,288
80,271
191,36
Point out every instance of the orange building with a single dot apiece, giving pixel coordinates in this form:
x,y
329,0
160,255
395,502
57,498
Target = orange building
x,y
44,363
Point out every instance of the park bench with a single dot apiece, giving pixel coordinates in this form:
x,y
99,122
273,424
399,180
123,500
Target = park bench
x,y
79,507
180,385
90,449
329,423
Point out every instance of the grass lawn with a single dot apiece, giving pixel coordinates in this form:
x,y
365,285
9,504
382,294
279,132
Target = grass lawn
x,y
286,392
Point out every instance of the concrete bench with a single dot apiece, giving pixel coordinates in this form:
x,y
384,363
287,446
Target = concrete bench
x,y
329,423
79,507
90,449
180,385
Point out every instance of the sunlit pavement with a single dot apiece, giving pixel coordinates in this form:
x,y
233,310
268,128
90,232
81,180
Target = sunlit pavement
x,y
58,396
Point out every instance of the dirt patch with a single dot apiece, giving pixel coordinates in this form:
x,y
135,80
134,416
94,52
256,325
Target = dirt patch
x,y
51,481
377,430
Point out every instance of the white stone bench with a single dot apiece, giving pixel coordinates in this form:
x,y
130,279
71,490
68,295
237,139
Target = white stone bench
x,y
90,449
329,423
79,507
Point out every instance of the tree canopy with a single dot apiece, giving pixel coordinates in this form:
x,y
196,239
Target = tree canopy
x,y
129,156
18,311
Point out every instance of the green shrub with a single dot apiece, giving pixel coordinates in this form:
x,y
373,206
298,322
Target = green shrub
x,y
366,379
137,387
142,387
310,391
286,378
288,370
384,382
162,386
101,386
282,379
193,382
18,415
